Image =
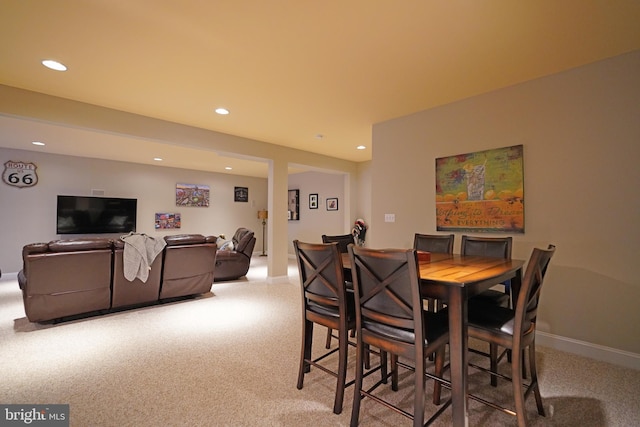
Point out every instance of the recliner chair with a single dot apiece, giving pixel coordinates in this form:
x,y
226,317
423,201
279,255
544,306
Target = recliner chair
x,y
234,264
188,265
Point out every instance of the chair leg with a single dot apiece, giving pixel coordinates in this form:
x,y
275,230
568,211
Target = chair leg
x,y
534,378
367,356
305,352
493,356
357,386
518,391
329,336
384,373
343,351
419,393
394,372
439,368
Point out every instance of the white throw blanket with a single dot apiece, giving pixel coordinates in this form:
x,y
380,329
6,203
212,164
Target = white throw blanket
x,y
139,252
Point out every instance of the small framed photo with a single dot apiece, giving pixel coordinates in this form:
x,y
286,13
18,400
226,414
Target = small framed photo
x,y
313,201
241,194
332,204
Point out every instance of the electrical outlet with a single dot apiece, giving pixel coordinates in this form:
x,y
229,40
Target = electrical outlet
x,y
389,217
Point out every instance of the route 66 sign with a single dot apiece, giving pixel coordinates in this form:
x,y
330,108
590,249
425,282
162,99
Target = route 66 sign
x,y
20,174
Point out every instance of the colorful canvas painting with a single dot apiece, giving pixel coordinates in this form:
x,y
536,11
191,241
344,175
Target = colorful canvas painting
x,y
192,195
166,221
481,191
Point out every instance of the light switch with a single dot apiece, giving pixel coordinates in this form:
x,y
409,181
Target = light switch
x,y
389,217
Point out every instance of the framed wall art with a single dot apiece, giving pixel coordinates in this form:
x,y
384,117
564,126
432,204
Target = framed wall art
x,y
313,201
481,191
241,194
166,221
191,195
332,204
294,205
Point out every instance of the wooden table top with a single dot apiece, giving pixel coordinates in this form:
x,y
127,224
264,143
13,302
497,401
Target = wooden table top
x,y
461,270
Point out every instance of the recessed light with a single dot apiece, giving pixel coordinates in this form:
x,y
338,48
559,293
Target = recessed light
x,y
157,159
54,65
222,111
38,143
360,147
228,168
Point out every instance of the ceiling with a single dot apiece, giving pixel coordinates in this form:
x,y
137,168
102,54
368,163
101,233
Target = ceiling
x,y
310,75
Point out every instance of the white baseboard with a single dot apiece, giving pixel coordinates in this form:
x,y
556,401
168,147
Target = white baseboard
x,y
276,280
9,276
586,349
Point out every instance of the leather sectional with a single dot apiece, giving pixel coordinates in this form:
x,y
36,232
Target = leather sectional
x,y
65,278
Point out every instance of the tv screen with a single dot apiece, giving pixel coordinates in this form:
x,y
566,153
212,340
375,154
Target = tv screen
x,y
95,215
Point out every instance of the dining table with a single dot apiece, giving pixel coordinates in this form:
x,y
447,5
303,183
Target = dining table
x,y
453,279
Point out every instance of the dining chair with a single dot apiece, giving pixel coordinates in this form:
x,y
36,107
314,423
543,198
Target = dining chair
x,y
390,316
437,243
499,247
326,302
515,329
343,240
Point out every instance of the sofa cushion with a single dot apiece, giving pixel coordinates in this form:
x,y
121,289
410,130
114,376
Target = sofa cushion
x,y
74,245
184,239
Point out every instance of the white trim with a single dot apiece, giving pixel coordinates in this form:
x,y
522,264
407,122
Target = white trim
x,y
593,351
9,276
276,280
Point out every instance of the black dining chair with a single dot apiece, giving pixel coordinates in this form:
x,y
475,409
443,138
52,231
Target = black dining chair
x,y
390,316
343,241
434,243
499,247
326,302
515,329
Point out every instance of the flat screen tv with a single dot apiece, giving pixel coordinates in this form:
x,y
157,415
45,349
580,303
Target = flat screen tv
x,y
95,215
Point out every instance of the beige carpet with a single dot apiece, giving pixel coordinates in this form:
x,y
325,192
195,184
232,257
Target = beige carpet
x,y
230,358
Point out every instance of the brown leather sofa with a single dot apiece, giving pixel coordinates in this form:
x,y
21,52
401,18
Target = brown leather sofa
x,y
231,265
188,265
137,292
66,278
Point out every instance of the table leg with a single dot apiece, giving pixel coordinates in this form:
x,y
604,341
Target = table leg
x,y
458,354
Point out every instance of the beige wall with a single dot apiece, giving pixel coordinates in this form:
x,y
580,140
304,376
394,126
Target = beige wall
x,y
314,223
581,135
29,214
39,107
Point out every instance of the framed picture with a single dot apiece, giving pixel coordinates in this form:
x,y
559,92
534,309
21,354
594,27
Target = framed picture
x,y
294,205
313,201
241,194
332,204
481,191
192,195
166,221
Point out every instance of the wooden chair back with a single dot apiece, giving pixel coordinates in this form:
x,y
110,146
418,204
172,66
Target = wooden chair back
x,y
437,243
343,241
